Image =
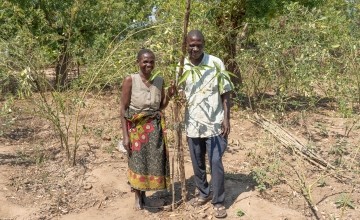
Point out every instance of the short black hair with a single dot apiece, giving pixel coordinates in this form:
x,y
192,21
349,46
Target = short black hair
x,y
144,51
196,33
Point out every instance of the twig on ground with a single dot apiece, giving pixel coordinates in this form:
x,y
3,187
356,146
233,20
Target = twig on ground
x,y
292,142
166,207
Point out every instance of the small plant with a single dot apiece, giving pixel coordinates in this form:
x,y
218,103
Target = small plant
x,y
344,201
338,161
110,148
98,131
321,182
39,156
240,213
22,156
5,115
323,130
350,126
339,150
259,175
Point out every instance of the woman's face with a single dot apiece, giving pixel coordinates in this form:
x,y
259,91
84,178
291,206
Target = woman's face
x,y
146,63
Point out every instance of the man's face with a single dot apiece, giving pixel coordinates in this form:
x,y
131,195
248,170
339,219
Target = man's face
x,y
195,47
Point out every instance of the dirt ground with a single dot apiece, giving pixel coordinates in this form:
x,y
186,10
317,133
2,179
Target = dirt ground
x,y
264,179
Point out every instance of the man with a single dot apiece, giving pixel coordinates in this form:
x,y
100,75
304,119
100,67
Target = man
x,y
207,119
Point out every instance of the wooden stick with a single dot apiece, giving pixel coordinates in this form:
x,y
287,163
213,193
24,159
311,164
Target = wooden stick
x,y
173,183
290,141
178,134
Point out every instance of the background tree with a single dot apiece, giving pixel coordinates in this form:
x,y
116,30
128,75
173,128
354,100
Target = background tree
x,y
38,35
296,52
66,32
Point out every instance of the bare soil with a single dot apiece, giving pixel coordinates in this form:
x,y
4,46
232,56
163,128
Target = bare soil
x,y
264,179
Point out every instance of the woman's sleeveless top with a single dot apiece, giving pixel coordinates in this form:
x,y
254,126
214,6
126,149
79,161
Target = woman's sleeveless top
x,y
145,98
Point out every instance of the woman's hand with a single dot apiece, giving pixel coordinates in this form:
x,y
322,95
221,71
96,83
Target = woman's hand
x,y
167,94
127,145
171,89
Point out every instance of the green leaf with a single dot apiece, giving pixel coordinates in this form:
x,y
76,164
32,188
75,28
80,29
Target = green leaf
x,y
184,76
198,72
155,74
230,73
221,84
217,67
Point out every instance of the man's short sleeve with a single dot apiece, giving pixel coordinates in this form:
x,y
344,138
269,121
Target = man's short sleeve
x,y
225,84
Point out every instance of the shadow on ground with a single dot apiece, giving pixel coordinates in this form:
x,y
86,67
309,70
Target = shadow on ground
x,y
235,184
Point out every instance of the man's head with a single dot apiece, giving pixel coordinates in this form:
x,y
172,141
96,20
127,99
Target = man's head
x,y
195,46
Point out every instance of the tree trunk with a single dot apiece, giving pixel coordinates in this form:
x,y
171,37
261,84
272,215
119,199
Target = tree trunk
x,y
229,21
62,68
230,59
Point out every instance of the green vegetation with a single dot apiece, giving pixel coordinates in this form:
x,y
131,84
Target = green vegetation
x,y
240,213
285,55
282,55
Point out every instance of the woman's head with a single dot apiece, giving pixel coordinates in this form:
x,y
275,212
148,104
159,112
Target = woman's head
x,y
146,61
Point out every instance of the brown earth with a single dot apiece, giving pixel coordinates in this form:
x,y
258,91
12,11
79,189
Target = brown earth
x,y
36,181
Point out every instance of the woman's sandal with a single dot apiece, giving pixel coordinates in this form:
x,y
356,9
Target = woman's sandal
x,y
198,201
220,211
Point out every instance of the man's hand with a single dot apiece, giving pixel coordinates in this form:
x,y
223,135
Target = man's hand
x,y
225,125
225,128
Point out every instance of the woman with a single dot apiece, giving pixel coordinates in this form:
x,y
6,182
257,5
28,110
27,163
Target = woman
x,y
142,100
